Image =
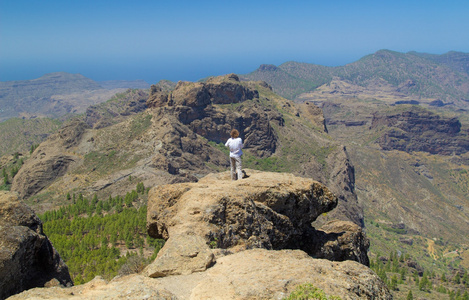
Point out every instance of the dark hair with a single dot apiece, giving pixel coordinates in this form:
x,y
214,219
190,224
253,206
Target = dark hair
x,y
234,133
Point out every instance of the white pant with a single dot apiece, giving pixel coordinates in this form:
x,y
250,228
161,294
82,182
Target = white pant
x,y
236,168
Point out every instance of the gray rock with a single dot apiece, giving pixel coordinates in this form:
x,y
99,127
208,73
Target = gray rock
x,y
27,258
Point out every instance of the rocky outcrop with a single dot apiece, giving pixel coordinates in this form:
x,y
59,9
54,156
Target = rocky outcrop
x,y
340,241
416,129
265,210
193,106
27,258
251,274
314,114
226,240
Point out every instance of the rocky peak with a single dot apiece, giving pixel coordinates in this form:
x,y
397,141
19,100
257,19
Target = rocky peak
x,y
267,68
218,90
195,105
50,160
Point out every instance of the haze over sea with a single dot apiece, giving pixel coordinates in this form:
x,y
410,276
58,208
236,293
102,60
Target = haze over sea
x,y
189,40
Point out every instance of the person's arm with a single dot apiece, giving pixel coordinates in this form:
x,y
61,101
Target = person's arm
x,y
227,144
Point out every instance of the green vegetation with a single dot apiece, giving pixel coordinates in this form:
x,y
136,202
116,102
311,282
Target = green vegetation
x,y
139,124
272,163
10,170
220,146
102,237
308,291
414,269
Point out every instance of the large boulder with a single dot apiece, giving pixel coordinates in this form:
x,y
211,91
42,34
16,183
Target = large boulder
x,y
27,258
266,210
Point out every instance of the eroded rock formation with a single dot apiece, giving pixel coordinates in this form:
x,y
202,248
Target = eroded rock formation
x,y
266,210
27,258
193,105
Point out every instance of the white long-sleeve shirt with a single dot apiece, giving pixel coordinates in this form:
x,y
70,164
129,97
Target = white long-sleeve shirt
x,y
235,146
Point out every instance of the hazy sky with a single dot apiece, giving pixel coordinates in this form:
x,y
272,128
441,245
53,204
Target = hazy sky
x,y
189,40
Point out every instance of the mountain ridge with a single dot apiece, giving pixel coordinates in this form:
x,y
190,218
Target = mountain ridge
x,y
419,76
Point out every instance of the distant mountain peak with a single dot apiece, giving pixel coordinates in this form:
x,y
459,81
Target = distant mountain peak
x,y
267,68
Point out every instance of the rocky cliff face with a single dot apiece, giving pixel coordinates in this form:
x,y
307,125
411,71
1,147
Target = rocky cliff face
x,y
27,258
416,129
228,240
194,106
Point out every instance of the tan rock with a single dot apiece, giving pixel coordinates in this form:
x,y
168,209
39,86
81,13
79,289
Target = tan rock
x,y
250,274
267,210
127,287
182,254
339,241
263,274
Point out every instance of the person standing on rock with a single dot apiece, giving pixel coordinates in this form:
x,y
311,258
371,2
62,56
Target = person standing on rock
x,y
235,143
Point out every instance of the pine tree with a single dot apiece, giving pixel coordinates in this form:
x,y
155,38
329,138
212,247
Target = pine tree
x,y
416,278
393,283
410,296
424,283
466,295
94,200
403,272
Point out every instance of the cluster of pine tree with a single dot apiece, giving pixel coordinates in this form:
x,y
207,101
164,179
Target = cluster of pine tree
x,y
103,238
425,281
10,171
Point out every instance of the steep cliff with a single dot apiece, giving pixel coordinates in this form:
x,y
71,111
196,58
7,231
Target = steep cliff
x,y
417,129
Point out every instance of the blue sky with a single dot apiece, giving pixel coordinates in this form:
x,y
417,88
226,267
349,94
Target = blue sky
x,y
189,40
